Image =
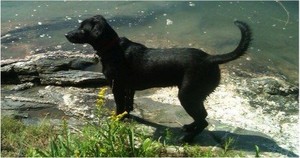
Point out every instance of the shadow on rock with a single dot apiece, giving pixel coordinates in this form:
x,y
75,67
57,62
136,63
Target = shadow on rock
x,y
242,140
246,142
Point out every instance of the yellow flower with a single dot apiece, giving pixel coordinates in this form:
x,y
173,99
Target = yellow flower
x,y
77,153
115,117
102,91
101,101
101,97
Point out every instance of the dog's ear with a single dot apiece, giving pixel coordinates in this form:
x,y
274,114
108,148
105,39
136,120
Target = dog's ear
x,y
98,18
99,24
102,29
97,30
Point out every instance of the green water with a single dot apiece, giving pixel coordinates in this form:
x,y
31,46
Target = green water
x,y
33,27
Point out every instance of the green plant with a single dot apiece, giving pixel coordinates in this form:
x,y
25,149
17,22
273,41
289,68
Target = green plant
x,y
257,151
110,137
105,137
168,136
17,139
194,151
60,144
228,144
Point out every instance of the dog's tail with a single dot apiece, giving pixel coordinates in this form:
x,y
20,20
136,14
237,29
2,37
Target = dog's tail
x,y
241,48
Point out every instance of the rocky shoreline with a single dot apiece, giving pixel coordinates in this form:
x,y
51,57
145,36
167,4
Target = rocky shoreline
x,y
252,108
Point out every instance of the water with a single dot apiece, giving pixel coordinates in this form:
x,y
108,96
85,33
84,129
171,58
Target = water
x,y
32,27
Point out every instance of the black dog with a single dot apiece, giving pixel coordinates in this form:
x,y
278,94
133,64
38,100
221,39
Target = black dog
x,y
130,66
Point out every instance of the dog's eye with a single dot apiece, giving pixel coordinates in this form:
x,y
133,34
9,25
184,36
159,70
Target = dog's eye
x,y
82,31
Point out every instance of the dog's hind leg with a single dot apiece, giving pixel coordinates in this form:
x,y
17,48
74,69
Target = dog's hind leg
x,y
192,102
194,89
199,123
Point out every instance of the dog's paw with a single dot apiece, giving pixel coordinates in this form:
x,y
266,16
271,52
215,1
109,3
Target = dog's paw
x,y
189,128
129,108
187,138
126,118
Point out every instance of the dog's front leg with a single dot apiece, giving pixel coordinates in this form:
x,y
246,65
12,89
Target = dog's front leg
x,y
120,97
129,99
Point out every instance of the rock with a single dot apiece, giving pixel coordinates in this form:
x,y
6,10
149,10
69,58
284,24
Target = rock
x,y
51,68
33,105
10,76
175,151
80,102
273,86
23,86
62,60
263,104
271,93
23,103
252,109
73,101
159,116
21,115
73,77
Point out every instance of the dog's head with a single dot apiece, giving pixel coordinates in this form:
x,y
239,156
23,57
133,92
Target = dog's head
x,y
94,31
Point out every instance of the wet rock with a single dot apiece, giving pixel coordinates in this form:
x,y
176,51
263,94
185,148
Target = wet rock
x,y
22,103
23,86
62,60
10,76
32,67
252,109
175,151
73,101
33,105
21,115
273,86
264,104
219,131
270,93
73,77
243,124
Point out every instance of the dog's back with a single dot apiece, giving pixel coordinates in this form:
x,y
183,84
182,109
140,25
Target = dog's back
x,y
148,67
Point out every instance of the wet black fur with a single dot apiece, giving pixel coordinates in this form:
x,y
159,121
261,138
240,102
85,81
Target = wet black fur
x,y
130,66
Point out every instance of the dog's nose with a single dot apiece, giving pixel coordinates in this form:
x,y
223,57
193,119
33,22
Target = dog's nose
x,y
68,36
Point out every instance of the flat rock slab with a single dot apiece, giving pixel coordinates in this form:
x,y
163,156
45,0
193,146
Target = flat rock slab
x,y
51,68
154,115
73,77
21,103
160,117
252,109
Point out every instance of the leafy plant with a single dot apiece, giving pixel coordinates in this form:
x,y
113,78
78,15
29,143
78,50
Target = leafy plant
x,y
228,144
17,138
110,138
257,151
104,137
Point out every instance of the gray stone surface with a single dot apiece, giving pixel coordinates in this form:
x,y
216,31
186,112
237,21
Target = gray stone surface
x,y
73,77
252,109
51,68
